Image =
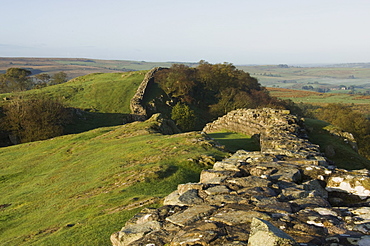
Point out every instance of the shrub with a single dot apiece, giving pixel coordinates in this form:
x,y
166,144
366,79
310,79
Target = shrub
x,y
183,116
33,119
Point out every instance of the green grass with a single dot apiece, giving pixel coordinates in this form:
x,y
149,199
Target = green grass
x,y
234,141
72,190
345,156
105,98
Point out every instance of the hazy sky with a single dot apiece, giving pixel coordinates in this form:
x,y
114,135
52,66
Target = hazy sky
x,y
236,31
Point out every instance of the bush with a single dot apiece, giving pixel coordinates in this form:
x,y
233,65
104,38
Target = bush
x,y
183,116
33,119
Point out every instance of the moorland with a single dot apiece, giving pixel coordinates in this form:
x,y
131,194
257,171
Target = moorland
x,y
80,187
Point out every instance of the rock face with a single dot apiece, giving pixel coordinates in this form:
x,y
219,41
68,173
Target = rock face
x,y
286,194
138,111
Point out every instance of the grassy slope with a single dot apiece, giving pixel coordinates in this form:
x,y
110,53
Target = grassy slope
x,y
345,156
106,97
85,180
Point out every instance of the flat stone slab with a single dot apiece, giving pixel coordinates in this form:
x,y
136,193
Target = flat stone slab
x,y
263,233
237,217
191,215
219,189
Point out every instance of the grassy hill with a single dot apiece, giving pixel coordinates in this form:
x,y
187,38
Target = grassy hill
x,y
103,98
78,189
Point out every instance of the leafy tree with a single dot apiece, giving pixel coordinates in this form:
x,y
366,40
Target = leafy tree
x,y
349,121
183,116
15,79
58,78
44,78
214,89
33,119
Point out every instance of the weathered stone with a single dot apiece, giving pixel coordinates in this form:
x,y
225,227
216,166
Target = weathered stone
x,y
227,166
223,199
211,176
173,199
262,191
190,197
199,234
311,202
132,233
287,174
315,188
350,182
346,239
237,217
219,189
266,234
274,206
363,228
292,193
250,181
191,215
182,188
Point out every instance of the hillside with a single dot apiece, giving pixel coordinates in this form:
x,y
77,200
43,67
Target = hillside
x,y
102,99
77,189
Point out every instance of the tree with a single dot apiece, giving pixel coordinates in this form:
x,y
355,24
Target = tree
x,y
15,79
44,78
58,78
349,121
183,116
33,119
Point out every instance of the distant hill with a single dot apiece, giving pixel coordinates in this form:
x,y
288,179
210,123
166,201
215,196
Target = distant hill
x,y
75,67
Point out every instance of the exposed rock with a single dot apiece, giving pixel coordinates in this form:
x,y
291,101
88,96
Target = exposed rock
x,y
190,215
353,182
264,233
132,233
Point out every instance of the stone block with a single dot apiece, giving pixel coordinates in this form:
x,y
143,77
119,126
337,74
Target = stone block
x,y
191,215
263,233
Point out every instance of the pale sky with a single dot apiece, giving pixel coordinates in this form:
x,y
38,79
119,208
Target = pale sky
x,y
236,31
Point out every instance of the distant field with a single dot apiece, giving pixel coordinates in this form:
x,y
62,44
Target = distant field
x,y
318,77
75,67
292,77
361,103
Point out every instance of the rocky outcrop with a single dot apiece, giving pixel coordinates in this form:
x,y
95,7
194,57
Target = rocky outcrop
x,y
285,194
138,110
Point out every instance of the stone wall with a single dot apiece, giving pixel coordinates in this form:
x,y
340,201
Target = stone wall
x,y
138,110
285,194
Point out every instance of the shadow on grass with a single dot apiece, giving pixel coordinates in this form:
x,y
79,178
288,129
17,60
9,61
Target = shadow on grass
x,y
335,148
84,121
235,141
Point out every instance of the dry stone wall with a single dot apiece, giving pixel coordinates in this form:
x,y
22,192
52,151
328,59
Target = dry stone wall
x,y
138,110
285,194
